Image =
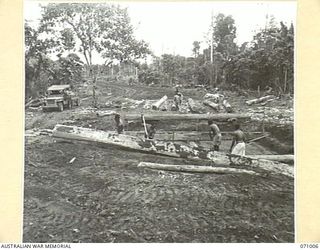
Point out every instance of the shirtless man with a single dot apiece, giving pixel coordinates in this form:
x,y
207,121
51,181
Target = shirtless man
x,y
238,146
119,123
151,130
215,135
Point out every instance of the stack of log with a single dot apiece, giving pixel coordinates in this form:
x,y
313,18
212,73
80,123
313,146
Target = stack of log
x,y
217,102
212,105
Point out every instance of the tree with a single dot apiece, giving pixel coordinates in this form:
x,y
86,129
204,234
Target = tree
x,y
221,46
66,70
266,61
196,48
93,28
36,59
224,33
172,65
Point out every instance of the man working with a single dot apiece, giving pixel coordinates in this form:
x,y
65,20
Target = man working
x,y
119,123
215,135
177,99
149,129
238,146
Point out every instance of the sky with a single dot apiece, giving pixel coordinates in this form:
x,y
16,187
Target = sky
x,y
172,27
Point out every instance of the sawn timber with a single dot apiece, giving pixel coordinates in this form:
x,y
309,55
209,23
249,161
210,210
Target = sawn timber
x,y
172,149
179,116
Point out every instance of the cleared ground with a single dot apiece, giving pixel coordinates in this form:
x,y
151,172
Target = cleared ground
x,y
103,197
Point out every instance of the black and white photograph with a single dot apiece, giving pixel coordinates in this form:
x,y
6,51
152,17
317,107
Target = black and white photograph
x,y
159,122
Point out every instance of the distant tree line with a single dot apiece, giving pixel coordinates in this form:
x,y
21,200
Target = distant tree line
x,y
266,60
68,30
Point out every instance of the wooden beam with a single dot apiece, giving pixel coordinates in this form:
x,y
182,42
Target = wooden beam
x,y
172,116
195,168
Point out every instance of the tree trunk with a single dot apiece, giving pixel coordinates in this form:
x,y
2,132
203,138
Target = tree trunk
x,y
285,80
195,168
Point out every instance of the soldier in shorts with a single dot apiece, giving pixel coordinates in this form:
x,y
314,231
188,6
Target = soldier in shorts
x,y
119,124
215,135
238,146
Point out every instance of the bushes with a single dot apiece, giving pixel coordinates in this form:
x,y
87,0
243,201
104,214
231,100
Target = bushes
x,y
149,76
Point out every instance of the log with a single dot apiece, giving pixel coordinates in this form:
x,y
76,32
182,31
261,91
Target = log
x,y
266,102
227,106
212,105
289,159
29,103
194,108
170,116
259,100
159,103
215,97
195,168
105,113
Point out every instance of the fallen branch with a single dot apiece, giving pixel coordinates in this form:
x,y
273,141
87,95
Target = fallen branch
x,y
195,169
259,100
29,102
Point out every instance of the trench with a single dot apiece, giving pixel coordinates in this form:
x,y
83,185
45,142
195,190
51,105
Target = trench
x,y
280,140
